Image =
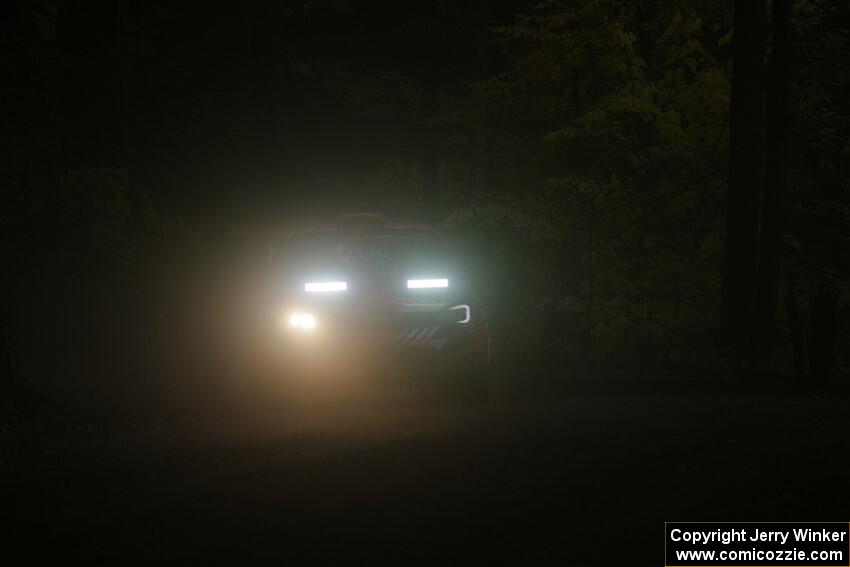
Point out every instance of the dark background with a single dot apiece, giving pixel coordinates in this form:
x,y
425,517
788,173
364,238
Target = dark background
x,y
652,198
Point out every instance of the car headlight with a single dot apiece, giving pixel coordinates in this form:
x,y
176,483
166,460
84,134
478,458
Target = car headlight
x,y
323,287
302,320
427,283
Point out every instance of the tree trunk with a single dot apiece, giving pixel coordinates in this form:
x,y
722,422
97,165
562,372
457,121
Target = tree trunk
x,y
127,49
429,156
778,131
745,175
798,342
7,374
484,158
822,358
588,338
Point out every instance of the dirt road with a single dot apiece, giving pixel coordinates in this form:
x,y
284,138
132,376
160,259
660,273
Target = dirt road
x,y
577,480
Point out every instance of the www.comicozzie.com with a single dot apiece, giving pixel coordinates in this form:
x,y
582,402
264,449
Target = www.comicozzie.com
x,y
692,544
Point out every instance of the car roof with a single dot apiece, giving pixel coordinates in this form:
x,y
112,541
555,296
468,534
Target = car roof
x,y
348,222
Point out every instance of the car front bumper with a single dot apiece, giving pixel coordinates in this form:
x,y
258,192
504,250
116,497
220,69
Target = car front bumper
x,y
413,342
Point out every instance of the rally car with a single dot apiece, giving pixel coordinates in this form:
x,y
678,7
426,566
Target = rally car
x,y
363,295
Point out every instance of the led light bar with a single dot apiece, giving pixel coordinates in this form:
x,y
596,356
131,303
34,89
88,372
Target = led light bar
x,y
427,283
320,287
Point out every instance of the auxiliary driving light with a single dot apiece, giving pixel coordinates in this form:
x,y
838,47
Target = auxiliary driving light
x,y
301,320
314,287
427,283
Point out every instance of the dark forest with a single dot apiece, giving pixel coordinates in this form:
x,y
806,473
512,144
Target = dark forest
x,y
649,198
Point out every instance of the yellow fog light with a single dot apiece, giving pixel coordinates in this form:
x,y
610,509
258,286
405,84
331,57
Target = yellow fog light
x,y
308,321
302,320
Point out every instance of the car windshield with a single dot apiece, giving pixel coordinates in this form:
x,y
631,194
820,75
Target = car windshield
x,y
384,250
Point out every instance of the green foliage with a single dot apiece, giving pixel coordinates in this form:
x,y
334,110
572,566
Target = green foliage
x,y
630,150
88,224
108,230
82,254
818,224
